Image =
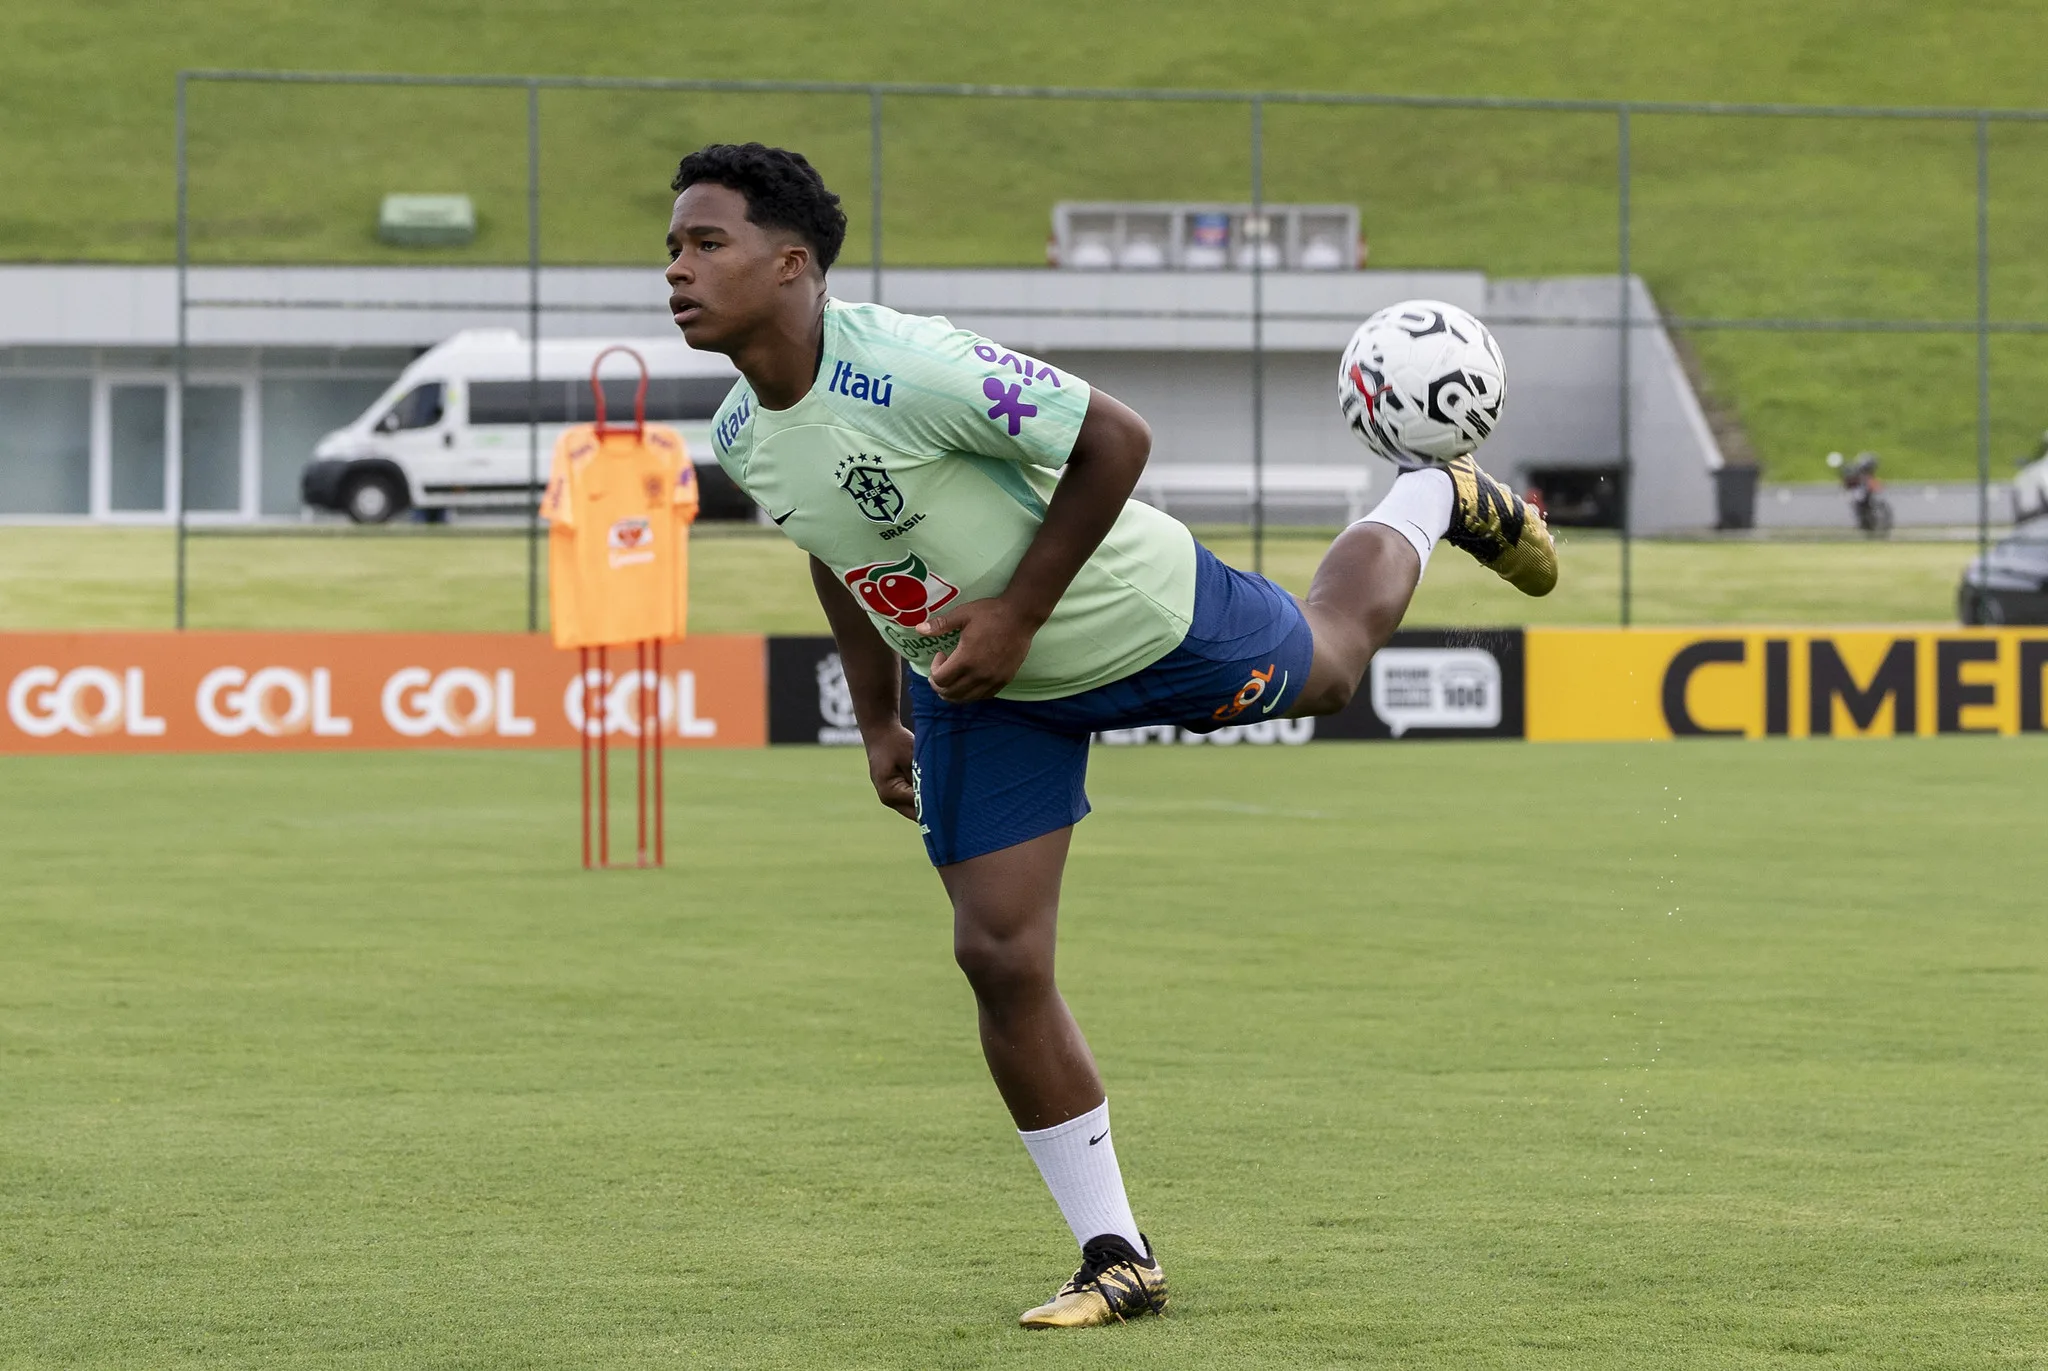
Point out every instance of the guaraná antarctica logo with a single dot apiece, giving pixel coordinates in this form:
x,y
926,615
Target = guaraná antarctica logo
x,y
904,592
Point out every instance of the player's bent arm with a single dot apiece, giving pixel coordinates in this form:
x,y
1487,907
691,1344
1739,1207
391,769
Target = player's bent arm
x,y
874,678
1101,472
1108,457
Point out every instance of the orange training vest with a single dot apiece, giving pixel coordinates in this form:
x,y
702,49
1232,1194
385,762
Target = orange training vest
x,y
619,511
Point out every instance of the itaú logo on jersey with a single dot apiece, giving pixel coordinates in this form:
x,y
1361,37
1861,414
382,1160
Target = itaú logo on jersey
x,y
88,701
460,702
275,701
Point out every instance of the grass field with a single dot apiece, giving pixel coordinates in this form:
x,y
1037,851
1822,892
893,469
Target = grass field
x,y
1732,217
754,581
1725,1055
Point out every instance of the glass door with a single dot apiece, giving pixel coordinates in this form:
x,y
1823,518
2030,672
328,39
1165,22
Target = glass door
x,y
141,469
136,472
212,433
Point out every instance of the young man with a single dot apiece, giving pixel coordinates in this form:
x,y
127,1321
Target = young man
x,y
967,510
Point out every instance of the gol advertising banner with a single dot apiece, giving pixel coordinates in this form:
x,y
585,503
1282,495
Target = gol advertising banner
x,y
1593,684
254,692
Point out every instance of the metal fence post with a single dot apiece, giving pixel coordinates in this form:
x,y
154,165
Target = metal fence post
x,y
533,357
1983,336
875,194
1624,379
184,254
1258,251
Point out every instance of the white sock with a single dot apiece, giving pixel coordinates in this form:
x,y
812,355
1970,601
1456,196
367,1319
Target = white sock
x,y
1418,508
1078,1160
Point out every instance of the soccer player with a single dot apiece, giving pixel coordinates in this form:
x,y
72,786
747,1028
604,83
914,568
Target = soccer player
x,y
968,510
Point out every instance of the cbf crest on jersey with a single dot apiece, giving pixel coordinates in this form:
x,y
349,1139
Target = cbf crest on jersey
x,y
874,494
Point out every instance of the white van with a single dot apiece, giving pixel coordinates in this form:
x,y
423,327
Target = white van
x,y
451,432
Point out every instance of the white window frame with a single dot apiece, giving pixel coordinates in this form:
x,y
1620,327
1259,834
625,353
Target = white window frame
x,y
248,458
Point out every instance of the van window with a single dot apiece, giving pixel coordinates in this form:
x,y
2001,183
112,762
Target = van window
x,y
669,399
421,408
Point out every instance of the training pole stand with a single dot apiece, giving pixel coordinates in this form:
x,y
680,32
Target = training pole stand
x,y
594,668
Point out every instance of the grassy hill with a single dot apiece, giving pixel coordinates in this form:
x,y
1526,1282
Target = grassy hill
x,y
1735,217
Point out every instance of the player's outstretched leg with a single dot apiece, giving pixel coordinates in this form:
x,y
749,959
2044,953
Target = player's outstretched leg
x,y
1005,920
1364,583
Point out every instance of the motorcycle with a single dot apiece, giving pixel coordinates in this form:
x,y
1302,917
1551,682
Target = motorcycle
x,y
1866,493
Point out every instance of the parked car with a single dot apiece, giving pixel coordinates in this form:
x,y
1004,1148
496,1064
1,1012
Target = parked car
x,y
2008,584
452,431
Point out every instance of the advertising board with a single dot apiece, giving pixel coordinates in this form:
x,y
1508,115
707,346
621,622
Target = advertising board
x,y
1597,684
205,691
1438,683
209,692
1427,683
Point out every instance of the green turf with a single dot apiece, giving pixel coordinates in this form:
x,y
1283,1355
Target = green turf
x,y
743,580
1733,217
754,581
1724,1055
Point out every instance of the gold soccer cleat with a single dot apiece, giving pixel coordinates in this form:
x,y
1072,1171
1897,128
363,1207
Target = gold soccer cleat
x,y
1113,1284
1495,525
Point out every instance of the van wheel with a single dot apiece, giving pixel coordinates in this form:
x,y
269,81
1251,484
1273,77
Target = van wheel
x,y
372,497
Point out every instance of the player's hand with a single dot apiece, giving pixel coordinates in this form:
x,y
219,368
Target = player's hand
x,y
890,752
994,637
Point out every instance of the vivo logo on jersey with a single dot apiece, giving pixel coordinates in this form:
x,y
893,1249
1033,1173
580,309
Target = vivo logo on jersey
x,y
1032,371
858,385
729,428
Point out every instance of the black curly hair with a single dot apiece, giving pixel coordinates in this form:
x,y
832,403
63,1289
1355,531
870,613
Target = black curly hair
x,y
782,190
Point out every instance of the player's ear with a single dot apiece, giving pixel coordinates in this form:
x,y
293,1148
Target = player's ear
x,y
792,262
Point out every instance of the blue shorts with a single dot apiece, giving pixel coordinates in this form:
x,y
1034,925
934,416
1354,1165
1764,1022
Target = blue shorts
x,y
995,773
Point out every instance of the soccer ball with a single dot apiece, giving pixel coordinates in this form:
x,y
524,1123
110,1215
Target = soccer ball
x,y
1421,382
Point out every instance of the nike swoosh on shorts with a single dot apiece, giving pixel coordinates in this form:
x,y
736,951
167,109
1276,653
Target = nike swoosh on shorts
x,y
1284,678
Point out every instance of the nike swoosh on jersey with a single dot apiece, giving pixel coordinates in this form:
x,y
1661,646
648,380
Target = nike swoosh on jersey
x,y
780,518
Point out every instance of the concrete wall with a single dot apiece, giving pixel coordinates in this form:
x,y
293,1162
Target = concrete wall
x,y
1564,386
1824,505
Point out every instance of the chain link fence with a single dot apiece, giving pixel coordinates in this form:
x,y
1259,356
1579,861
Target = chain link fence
x,y
1830,267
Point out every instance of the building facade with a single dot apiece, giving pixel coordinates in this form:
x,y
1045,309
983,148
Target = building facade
x,y
93,426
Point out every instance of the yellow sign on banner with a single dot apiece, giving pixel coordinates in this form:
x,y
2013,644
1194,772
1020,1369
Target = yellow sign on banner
x,y
1595,684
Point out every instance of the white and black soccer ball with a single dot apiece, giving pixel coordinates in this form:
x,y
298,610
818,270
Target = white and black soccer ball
x,y
1421,382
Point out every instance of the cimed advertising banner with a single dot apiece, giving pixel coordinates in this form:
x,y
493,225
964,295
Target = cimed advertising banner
x,y
255,692
1594,684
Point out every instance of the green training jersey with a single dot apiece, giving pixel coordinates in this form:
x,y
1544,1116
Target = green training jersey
x,y
918,468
